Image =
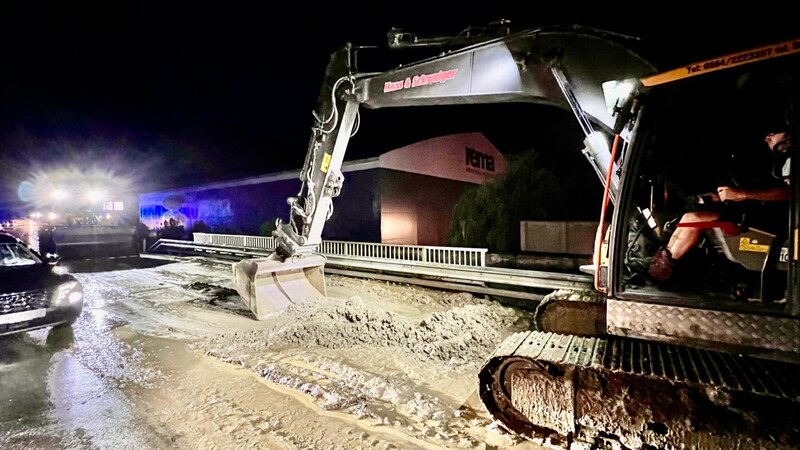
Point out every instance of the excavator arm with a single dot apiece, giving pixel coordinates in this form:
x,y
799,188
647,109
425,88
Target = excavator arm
x,y
562,67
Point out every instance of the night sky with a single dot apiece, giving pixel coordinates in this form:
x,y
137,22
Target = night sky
x,y
171,94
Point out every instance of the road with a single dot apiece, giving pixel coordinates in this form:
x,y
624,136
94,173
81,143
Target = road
x,y
164,356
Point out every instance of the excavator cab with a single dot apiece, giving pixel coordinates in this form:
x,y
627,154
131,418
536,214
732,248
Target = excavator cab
x,y
690,136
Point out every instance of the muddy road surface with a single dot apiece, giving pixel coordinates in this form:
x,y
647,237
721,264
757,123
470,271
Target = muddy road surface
x,y
164,356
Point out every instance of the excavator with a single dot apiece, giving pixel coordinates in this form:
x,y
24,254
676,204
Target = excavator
x,y
705,360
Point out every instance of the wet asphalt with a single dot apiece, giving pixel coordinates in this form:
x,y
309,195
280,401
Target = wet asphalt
x,y
65,387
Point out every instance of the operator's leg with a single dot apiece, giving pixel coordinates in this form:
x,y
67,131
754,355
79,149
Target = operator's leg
x,y
681,241
685,238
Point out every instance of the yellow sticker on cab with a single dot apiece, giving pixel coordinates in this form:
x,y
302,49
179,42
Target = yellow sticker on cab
x,y
752,245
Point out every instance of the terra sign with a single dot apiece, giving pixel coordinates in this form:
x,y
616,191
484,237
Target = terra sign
x,y
478,160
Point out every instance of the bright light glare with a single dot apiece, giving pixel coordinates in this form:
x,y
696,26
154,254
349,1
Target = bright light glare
x,y
95,195
617,93
59,194
623,89
52,216
650,220
75,296
63,292
71,187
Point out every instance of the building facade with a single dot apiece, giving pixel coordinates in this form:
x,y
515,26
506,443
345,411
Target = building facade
x,y
404,196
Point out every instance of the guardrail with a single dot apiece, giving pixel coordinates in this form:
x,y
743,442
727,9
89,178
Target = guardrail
x,y
485,280
447,256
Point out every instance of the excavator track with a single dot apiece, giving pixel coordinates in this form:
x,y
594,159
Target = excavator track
x,y
590,392
579,312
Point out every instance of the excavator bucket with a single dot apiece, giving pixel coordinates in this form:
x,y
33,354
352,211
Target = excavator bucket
x,y
270,285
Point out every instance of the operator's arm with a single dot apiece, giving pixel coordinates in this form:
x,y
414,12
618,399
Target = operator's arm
x,y
727,193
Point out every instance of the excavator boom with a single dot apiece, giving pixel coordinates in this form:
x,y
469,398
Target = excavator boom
x,y
557,66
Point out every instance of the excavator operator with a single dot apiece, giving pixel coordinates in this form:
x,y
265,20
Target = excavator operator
x,y
764,206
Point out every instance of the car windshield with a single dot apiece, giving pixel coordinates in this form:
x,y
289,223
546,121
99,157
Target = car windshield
x,y
16,254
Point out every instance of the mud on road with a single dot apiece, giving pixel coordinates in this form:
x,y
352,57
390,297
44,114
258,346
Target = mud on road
x,y
165,356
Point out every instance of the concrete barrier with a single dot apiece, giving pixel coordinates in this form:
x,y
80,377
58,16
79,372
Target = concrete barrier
x,y
558,237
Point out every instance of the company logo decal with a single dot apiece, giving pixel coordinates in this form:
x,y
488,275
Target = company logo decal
x,y
441,76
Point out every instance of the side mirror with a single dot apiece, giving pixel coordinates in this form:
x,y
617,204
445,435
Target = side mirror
x,y
620,99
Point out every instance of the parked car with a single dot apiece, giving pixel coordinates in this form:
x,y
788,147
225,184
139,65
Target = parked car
x,y
32,295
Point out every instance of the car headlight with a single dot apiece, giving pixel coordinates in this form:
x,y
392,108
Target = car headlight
x,y
68,293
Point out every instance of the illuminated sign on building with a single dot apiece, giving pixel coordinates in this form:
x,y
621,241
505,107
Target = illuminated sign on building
x,y
468,157
478,160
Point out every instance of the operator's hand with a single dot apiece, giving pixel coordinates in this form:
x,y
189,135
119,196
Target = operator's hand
x,y
709,197
729,194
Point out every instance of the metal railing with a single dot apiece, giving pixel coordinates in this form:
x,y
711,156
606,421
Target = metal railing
x,y
235,240
451,256
448,256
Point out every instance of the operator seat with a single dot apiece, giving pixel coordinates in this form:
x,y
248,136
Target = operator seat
x,y
753,249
